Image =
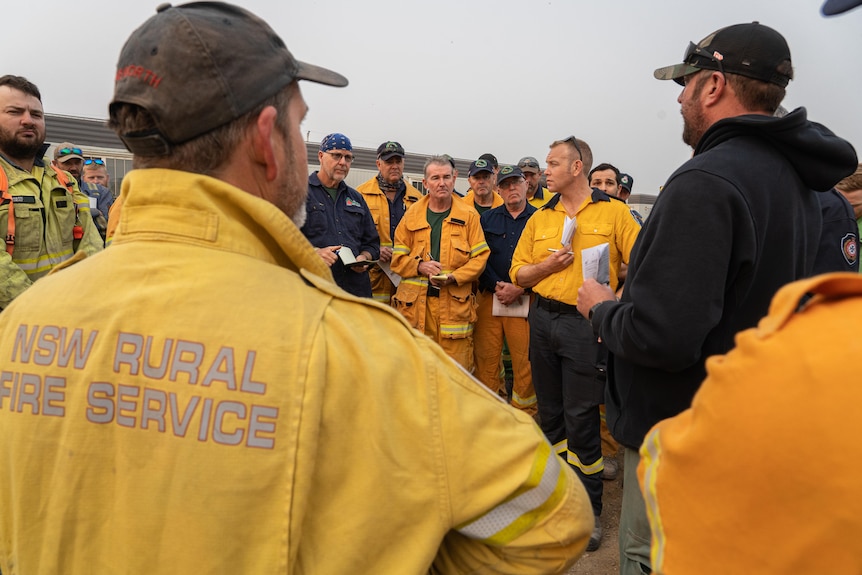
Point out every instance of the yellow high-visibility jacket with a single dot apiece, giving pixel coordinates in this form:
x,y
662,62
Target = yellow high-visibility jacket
x,y
470,199
226,408
463,253
761,474
378,204
45,218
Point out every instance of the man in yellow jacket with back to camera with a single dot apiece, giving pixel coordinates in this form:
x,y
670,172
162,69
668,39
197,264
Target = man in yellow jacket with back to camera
x,y
203,418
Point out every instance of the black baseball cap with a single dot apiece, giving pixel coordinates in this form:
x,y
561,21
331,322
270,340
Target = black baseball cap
x,y
507,172
389,149
833,7
198,66
490,158
752,50
626,181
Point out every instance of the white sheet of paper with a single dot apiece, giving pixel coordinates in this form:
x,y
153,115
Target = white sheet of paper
x,y
387,269
569,231
94,203
596,263
520,308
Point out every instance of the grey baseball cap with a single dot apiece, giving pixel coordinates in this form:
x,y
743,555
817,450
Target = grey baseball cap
x,y
198,66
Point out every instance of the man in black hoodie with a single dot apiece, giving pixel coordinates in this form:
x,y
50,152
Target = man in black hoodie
x,y
731,226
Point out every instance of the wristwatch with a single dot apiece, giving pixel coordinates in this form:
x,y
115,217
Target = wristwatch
x,y
593,310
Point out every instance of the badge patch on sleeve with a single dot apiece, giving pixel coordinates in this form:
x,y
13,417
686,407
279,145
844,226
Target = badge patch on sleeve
x,y
850,248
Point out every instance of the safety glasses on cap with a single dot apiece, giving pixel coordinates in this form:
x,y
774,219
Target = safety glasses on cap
x,y
69,151
693,52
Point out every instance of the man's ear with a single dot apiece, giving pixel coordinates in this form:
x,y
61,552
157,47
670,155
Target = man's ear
x,y
264,142
714,89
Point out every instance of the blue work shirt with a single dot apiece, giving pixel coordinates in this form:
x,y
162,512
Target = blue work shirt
x,y
345,221
502,233
104,198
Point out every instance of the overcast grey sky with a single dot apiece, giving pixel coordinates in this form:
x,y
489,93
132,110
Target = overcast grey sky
x,y
474,76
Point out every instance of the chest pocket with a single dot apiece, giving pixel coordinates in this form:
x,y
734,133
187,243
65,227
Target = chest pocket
x,y
375,215
316,221
595,233
546,238
63,211
29,226
352,221
460,253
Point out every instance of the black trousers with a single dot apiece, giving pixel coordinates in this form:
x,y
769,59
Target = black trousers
x,y
569,388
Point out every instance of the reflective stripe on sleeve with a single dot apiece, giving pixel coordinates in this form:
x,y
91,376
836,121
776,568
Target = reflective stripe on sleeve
x,y
478,249
543,490
400,249
523,401
651,454
456,329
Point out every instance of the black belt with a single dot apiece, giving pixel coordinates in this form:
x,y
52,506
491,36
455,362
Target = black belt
x,y
555,306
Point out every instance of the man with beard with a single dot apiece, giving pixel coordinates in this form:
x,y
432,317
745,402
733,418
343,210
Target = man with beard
x,y
43,215
695,281
338,220
388,196
225,407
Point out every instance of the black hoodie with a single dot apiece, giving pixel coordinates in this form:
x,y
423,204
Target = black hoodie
x,y
731,226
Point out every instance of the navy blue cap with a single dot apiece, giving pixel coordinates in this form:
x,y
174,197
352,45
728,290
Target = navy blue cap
x,y
480,165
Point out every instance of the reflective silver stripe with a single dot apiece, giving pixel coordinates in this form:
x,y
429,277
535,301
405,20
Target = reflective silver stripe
x,y
507,513
650,452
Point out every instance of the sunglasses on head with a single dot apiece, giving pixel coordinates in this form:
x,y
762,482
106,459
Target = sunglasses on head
x,y
695,55
574,142
97,161
68,151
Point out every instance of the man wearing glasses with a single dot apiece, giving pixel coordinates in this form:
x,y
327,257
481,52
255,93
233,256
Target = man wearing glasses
x,y
498,298
695,281
577,233
69,157
44,217
96,172
338,222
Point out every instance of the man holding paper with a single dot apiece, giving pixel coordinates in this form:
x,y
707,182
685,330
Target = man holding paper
x,y
439,252
388,196
578,223
503,306
338,222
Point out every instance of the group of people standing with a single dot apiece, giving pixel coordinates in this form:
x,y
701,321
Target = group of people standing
x,y
236,402
539,269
